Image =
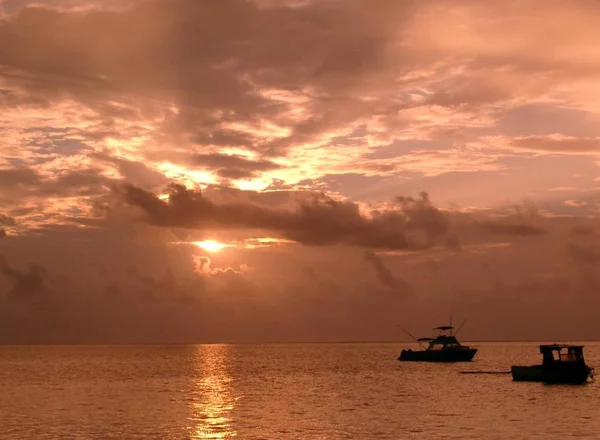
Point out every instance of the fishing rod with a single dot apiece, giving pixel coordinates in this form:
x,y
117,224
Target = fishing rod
x,y
461,326
407,332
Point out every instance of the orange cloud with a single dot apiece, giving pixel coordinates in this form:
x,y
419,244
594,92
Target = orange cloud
x,y
202,265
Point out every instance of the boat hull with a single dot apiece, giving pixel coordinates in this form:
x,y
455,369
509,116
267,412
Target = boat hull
x,y
561,373
462,355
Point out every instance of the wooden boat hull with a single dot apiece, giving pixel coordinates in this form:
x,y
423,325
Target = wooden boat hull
x,y
561,373
461,355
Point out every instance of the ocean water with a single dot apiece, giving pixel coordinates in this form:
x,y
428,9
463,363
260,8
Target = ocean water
x,y
283,391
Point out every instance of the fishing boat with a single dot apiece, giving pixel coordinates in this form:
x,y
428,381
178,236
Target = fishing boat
x,y
561,363
444,347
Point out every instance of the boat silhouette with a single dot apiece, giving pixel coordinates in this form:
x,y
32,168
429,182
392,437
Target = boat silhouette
x,y
444,347
557,366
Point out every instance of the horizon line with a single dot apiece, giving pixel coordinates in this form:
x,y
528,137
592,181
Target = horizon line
x,y
100,344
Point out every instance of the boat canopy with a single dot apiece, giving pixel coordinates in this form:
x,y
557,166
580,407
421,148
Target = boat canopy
x,y
425,339
444,327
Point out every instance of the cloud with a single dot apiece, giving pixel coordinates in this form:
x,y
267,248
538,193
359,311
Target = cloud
x,y
238,78
202,266
558,144
134,172
413,224
519,229
16,177
384,274
26,182
26,284
13,6
343,80
315,99
6,220
233,166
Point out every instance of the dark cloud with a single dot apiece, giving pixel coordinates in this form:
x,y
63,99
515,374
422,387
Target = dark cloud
x,y
321,220
421,214
232,167
518,229
384,274
76,183
26,284
17,177
236,173
230,161
22,184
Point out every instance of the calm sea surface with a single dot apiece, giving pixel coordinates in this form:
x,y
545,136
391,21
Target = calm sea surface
x,y
287,391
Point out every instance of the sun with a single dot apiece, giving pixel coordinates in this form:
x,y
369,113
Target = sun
x,y
212,245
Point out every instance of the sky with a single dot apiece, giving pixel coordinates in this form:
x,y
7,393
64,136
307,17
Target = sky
x,y
187,171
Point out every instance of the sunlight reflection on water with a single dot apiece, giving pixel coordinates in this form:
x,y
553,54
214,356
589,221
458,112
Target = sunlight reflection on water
x,y
213,398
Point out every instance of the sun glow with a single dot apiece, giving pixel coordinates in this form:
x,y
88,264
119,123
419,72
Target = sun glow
x,y
212,245
257,243
252,185
189,178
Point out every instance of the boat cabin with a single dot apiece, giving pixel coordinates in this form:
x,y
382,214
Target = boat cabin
x,y
561,353
444,339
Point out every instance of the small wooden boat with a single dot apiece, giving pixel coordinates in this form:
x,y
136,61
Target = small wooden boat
x,y
443,348
557,366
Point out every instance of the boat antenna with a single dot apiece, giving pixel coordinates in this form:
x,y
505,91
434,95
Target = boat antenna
x,y
406,331
461,326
